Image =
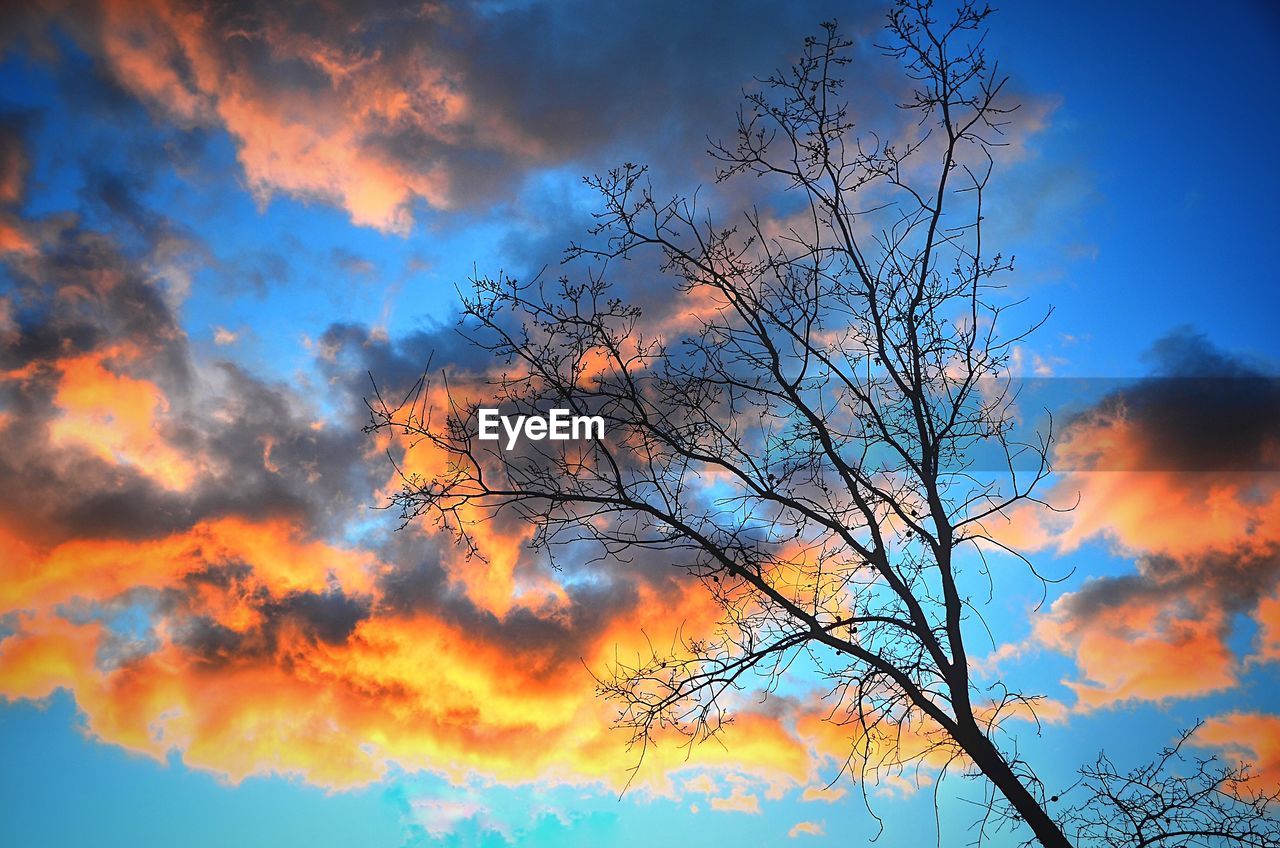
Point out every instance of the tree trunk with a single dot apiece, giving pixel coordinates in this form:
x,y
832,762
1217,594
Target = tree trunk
x,y
988,758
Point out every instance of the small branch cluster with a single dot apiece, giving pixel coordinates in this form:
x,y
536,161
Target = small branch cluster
x,y
1174,800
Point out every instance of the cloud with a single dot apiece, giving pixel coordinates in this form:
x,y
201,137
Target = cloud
x,y
14,170
807,828
1180,472
737,801
186,558
441,816
828,794
1268,617
14,164
1252,738
385,107
147,482
222,336
115,417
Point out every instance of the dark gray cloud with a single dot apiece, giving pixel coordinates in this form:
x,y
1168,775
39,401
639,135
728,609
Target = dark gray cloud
x,y
644,82
1202,410
320,617
1233,581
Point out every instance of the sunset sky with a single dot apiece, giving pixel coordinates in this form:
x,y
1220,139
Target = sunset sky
x,y
217,220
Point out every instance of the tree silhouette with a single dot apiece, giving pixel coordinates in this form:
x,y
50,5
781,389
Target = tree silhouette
x,y
812,444
1174,800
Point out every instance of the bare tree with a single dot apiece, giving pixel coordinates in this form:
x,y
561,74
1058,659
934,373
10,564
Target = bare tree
x,y
808,445
1175,800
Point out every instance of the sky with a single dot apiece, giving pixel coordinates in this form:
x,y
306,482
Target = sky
x,y
219,221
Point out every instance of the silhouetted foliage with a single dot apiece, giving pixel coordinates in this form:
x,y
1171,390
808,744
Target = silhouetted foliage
x,y
1175,801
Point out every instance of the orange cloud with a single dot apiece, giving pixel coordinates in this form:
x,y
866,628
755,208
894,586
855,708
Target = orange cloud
x,y
311,116
827,794
1137,651
259,692
99,570
498,580
1253,738
239,690
1268,616
117,417
897,756
737,801
13,237
1194,499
